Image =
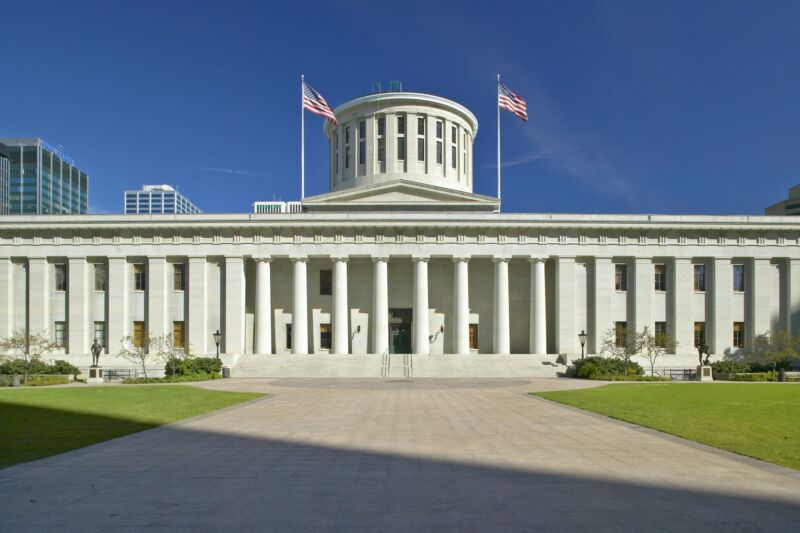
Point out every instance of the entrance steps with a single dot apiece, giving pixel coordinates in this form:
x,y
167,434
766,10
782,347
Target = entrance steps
x,y
424,366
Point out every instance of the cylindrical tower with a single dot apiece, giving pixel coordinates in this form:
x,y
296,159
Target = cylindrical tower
x,y
401,136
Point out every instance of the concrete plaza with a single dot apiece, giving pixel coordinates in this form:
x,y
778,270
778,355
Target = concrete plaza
x,y
423,455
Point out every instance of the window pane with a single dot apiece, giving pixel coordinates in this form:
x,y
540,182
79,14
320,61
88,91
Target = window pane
x,y
420,126
700,278
420,149
621,277
738,278
178,278
401,148
473,336
325,336
325,282
401,125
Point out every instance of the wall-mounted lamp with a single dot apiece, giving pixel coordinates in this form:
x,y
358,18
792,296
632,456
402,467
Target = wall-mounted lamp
x,y
440,331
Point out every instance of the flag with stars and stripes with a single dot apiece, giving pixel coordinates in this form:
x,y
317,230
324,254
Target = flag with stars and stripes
x,y
507,99
314,102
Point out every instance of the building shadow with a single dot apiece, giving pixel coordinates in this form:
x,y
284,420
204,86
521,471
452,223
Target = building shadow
x,y
173,478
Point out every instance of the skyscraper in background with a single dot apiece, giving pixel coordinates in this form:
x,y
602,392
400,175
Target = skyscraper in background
x,y
43,180
157,200
5,171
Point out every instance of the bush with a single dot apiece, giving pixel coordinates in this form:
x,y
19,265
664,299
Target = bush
x,y
39,379
173,366
17,366
192,366
730,367
618,377
172,379
754,376
591,367
60,366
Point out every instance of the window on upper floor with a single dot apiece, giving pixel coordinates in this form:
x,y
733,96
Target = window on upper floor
x,y
439,142
660,278
61,276
699,278
621,277
179,277
100,277
381,139
420,138
738,278
401,137
139,277
325,282
453,146
362,142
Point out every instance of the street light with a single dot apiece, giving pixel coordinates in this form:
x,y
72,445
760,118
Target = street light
x,y
217,339
582,337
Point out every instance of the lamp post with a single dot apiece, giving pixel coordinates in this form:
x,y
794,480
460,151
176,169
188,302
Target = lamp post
x,y
582,337
217,339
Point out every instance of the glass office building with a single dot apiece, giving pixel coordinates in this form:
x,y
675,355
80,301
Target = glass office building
x,y
158,200
43,180
5,173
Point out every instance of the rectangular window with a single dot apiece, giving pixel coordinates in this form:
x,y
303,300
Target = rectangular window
x,y
620,334
178,337
347,147
100,277
699,334
362,142
738,334
60,334
661,334
401,138
661,278
179,277
473,336
61,277
464,153
420,138
439,143
453,146
100,333
381,139
288,336
700,278
139,279
138,334
621,277
336,153
325,282
325,336
738,278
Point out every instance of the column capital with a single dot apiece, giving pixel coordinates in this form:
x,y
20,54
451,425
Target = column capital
x,y
71,258
460,259
642,259
116,257
501,259
234,258
340,258
262,258
156,258
30,259
197,258
298,258
376,258
418,258
537,259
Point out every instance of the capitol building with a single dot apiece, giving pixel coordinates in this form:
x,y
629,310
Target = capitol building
x,y
400,257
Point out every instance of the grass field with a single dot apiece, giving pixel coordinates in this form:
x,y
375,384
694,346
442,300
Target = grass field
x,y
40,422
757,420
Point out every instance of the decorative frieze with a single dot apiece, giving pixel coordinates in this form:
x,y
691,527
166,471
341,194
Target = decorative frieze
x,y
542,239
602,239
643,240
338,238
522,239
562,239
217,239
156,239
277,238
481,239
197,239
461,239
298,239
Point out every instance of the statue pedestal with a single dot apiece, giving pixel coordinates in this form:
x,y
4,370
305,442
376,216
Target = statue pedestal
x,y
704,373
95,375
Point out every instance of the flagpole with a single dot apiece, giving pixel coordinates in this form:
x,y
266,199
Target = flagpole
x,y
302,142
499,201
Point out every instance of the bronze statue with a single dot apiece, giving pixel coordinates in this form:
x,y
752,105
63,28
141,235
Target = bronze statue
x,y
96,351
703,349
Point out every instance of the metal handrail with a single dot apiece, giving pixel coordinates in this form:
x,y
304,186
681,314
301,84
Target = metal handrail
x,y
386,364
408,365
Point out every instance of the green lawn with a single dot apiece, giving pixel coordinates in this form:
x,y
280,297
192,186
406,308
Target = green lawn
x,y
40,422
757,420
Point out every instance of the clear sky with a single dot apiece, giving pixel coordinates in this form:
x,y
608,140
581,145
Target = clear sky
x,y
635,106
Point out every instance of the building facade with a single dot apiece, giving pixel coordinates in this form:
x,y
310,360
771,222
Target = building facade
x,y
158,200
44,181
400,257
5,178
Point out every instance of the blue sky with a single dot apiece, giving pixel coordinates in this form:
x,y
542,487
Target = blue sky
x,y
635,107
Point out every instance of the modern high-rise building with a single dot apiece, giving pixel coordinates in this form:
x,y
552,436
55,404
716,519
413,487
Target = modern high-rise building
x,y
788,207
43,180
156,200
5,171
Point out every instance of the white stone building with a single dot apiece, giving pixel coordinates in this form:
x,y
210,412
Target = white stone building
x,y
400,256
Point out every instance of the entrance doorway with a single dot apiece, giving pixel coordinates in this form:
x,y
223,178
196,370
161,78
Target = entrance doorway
x,y
400,330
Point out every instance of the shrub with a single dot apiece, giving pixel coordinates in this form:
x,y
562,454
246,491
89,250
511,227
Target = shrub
x,y
591,367
172,379
60,366
754,376
730,367
173,366
17,366
38,380
201,365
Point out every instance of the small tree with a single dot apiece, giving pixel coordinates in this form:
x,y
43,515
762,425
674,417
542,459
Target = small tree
x,y
28,347
774,348
138,352
653,346
621,343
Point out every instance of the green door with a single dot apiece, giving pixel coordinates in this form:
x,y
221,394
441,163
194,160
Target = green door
x,y
400,330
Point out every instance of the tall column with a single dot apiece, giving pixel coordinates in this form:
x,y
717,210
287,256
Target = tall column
x,y
234,305
263,344
791,312
502,333
157,296
39,296
300,305
566,336
538,332
601,319
118,327
680,290
380,305
78,298
341,335
198,304
420,324
759,300
461,311
6,306
643,287
721,295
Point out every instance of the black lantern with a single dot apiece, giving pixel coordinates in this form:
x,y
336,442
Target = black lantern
x,y
217,340
582,337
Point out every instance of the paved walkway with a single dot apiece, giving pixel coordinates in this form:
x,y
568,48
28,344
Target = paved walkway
x,y
427,455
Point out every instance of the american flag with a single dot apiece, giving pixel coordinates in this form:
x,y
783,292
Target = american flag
x,y
506,99
314,102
